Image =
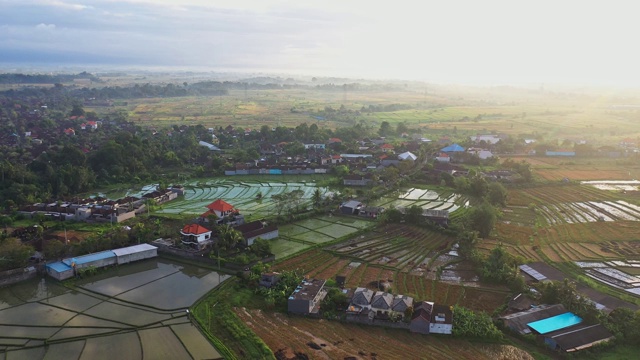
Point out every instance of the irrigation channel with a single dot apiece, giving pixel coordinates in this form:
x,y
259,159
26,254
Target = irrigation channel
x,y
136,311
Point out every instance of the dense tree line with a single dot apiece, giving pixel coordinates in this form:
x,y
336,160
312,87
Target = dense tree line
x,y
11,78
117,152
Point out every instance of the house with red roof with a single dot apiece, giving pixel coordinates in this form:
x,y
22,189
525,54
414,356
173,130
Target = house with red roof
x,y
443,157
196,236
387,148
69,131
224,212
92,125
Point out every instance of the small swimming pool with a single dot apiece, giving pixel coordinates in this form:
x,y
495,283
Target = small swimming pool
x,y
555,323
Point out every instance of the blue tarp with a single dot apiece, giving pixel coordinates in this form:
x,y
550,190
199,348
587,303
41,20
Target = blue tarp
x,y
452,148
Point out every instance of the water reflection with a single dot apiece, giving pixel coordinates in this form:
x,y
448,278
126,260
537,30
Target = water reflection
x,y
151,294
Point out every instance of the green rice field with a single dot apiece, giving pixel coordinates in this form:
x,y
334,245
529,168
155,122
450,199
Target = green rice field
x,y
303,234
242,193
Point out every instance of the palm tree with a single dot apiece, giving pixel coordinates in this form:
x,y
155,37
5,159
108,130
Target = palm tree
x,y
317,197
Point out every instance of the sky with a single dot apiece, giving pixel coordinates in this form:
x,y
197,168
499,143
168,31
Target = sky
x,y
455,41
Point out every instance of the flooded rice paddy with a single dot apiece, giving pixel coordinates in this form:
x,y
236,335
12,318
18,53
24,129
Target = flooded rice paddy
x,y
134,311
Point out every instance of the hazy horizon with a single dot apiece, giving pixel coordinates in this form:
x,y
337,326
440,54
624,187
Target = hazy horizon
x,y
493,42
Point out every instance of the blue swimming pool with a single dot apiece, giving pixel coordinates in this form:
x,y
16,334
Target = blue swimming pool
x,y
555,323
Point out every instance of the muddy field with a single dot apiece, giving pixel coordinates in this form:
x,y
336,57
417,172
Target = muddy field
x,y
404,259
297,337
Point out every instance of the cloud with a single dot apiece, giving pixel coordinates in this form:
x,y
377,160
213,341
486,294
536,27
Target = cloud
x,y
46,27
458,39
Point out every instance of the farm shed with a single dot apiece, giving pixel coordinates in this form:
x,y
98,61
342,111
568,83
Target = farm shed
x,y
441,320
371,211
62,270
269,279
100,259
307,296
351,207
518,321
135,253
257,229
577,337
357,180
59,270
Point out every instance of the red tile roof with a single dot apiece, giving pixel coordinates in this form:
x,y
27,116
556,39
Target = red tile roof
x,y
195,229
220,205
386,146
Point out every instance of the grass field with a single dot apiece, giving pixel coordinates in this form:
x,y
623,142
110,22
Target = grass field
x,y
437,110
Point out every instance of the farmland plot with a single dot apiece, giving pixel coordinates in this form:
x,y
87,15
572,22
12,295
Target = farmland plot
x,y
424,198
403,256
242,194
288,336
305,233
84,324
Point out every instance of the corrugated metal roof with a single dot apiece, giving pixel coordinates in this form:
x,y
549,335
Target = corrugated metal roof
x,y
133,249
89,258
533,273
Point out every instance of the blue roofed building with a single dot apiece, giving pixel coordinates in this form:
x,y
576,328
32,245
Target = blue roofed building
x,y
454,148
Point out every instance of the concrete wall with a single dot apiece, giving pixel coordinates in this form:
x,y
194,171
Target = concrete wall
x,y
60,275
299,306
17,275
147,254
435,328
127,216
267,236
98,263
386,323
